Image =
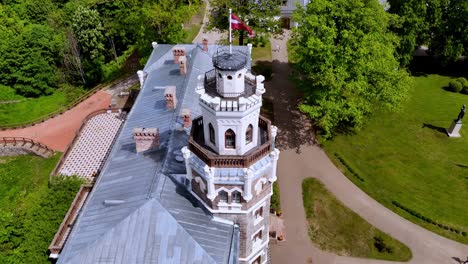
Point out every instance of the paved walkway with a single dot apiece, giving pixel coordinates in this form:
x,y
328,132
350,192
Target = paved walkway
x,y
213,36
58,132
301,158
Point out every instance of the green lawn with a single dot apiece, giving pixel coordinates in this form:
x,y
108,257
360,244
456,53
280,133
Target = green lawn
x,y
30,210
32,108
334,227
406,162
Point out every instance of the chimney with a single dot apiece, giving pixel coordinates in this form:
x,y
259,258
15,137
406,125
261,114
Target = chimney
x,y
183,65
186,117
146,138
178,52
170,96
205,44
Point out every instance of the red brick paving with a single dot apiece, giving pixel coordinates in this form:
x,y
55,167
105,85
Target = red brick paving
x,y
58,132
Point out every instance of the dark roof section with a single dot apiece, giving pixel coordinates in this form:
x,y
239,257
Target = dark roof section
x,y
148,183
230,61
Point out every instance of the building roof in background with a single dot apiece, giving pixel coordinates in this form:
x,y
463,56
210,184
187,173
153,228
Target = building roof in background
x,y
138,211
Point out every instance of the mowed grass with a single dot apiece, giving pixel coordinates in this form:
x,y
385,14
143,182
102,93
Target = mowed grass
x,y
31,108
334,227
407,158
30,210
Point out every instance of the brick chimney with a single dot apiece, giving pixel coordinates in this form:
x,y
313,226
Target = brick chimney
x,y
205,44
170,95
183,65
186,117
146,138
178,52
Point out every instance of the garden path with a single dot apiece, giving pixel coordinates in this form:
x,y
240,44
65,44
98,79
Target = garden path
x,y
301,158
213,36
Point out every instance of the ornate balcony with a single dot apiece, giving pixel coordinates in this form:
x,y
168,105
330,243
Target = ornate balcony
x,y
212,159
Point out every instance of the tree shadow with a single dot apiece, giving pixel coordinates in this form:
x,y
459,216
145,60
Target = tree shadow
x,y
460,261
425,65
436,128
462,166
295,128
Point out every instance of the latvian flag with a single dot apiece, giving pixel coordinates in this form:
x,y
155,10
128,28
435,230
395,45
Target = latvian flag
x,y
237,24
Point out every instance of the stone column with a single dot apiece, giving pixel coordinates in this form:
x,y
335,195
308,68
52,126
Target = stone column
x,y
187,153
154,44
274,132
141,77
209,176
250,50
248,176
274,155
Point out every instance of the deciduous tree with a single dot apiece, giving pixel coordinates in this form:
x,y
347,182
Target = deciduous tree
x,y
346,55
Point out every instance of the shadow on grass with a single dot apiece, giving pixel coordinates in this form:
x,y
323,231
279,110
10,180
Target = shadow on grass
x,y
425,65
436,128
462,166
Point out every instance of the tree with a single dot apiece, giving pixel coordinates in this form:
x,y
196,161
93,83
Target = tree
x,y
346,56
260,15
451,40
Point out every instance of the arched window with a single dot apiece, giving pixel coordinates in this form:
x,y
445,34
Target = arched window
x,y
239,76
212,134
248,134
229,77
236,197
223,196
230,139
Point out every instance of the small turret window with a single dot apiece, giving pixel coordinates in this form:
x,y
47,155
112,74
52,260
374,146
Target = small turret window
x,y
248,134
212,134
230,139
223,196
239,76
229,77
220,76
236,197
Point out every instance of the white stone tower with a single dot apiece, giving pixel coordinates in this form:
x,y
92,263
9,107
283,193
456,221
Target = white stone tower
x,y
231,158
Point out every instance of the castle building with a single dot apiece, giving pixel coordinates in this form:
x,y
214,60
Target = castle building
x,y
231,159
189,177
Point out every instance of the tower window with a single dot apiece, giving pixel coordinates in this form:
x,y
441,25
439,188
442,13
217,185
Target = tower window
x,y
223,196
229,77
220,76
257,236
212,134
259,213
239,76
248,134
230,139
236,197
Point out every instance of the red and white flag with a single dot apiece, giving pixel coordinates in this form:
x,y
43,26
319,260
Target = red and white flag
x,y
237,24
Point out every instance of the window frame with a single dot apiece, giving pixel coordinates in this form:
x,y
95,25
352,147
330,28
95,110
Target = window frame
x,y
230,136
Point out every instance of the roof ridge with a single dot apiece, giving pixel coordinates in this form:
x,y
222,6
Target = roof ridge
x,y
207,258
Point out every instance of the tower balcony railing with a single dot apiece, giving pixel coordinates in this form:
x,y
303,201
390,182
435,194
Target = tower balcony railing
x,y
212,159
212,87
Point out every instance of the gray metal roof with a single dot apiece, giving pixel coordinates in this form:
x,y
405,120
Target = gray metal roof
x,y
158,219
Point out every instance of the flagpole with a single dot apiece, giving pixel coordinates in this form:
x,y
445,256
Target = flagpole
x,y
230,32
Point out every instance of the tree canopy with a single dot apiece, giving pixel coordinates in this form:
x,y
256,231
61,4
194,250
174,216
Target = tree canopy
x,y
439,24
345,53
47,43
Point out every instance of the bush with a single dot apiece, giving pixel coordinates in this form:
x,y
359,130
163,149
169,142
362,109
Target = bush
x,y
455,86
464,90
381,246
463,81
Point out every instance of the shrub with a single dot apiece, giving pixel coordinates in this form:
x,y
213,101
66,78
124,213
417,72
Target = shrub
x,y
455,86
464,90
463,233
381,246
463,82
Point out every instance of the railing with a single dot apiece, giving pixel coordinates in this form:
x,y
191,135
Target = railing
x,y
53,114
77,135
212,87
23,141
69,219
228,161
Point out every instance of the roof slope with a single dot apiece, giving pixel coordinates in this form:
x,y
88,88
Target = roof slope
x,y
141,181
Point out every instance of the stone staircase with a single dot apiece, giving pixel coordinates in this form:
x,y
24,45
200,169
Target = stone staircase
x,y
13,146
